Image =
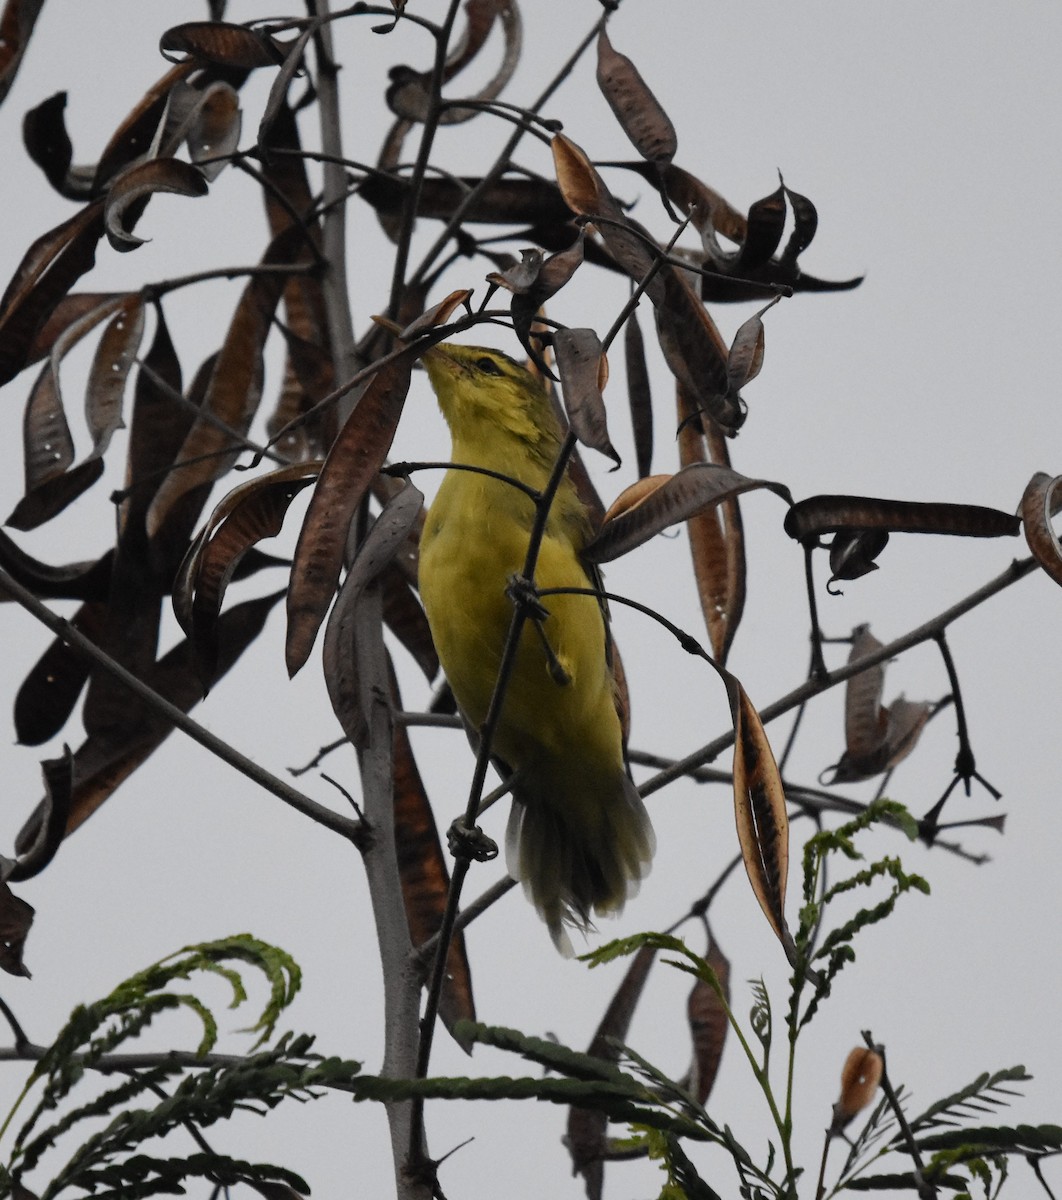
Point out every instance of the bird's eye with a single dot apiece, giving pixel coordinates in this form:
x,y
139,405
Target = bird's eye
x,y
488,366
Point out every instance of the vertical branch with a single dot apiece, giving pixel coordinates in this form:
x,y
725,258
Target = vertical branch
x,y
401,981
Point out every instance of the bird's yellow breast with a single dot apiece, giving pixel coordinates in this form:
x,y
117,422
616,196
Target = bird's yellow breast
x,y
475,539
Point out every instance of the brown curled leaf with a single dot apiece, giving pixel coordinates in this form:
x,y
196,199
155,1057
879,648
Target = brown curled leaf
x,y
587,1139
48,144
16,25
249,513
809,519
223,44
404,616
760,813
131,190
652,504
86,580
505,201
852,553
55,808
438,314
766,221
583,370
114,358
352,463
1037,507
141,135
48,270
210,127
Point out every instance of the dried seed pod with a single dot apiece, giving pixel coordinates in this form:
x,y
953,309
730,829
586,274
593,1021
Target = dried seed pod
x,y
859,1081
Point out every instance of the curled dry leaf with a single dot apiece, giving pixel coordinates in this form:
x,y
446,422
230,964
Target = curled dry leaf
x,y
210,126
506,201
438,314
876,738
48,145
760,813
16,25
223,44
249,513
355,457
652,504
852,553
131,190
583,370
86,580
809,519
48,270
142,134
640,114
764,226
1037,507
55,808
114,357
410,96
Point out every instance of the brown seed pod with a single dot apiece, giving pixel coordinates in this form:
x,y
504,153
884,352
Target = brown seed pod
x,y
859,1081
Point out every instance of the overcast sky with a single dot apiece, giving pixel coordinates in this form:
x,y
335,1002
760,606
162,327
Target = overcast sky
x,y
923,134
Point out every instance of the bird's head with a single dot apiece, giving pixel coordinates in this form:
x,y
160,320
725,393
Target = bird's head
x,y
480,389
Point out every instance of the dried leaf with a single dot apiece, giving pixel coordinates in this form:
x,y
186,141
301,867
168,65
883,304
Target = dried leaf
x,y
223,44
746,353
16,917
438,314
355,458
805,223
405,618
249,513
102,763
652,504
134,186
140,135
1037,507
504,201
809,519
425,879
717,542
766,221
695,352
47,695
86,580
48,270
852,553
16,25
638,391
760,813
638,111
865,721
48,145
58,780
211,128
115,355
233,392
583,370
708,1021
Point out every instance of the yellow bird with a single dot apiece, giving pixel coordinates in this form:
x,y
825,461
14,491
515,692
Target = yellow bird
x,y
578,838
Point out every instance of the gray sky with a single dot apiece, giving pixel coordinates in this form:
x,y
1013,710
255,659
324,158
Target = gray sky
x,y
922,134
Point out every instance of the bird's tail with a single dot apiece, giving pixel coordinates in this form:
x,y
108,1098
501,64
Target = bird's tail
x,y
581,856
